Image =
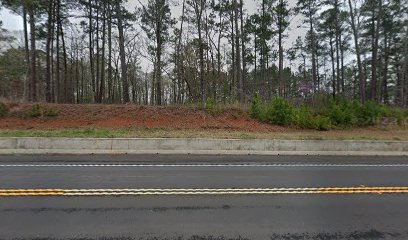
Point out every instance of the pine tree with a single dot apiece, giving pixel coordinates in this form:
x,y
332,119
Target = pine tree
x,y
156,22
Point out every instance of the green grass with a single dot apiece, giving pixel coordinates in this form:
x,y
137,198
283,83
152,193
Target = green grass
x,y
390,133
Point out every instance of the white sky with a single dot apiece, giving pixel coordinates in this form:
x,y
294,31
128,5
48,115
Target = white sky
x,y
13,22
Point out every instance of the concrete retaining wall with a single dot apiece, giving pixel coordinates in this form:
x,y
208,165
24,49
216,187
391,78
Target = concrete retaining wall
x,y
200,146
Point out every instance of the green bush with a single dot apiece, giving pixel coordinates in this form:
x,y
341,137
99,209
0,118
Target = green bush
x,y
39,111
211,107
340,112
369,113
3,109
397,114
279,112
343,113
256,108
322,123
50,112
336,113
303,118
35,111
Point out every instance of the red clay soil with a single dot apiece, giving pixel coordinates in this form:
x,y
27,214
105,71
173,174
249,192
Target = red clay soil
x,y
131,116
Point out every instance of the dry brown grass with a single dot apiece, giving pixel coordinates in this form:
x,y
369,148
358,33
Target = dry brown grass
x,y
373,133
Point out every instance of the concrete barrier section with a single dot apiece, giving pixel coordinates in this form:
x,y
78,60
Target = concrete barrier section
x,y
200,146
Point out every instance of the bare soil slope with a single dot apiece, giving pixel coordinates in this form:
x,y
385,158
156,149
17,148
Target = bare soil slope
x,y
131,116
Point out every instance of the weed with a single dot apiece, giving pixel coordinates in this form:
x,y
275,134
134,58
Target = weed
x,y
3,109
39,111
35,111
211,107
256,108
322,123
50,112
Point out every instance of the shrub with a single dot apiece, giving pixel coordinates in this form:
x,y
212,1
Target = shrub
x,y
322,123
50,112
256,108
397,114
3,109
339,112
369,113
211,107
35,111
38,111
279,112
303,118
336,113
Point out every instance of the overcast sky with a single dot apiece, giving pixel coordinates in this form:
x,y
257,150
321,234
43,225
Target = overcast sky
x,y
13,22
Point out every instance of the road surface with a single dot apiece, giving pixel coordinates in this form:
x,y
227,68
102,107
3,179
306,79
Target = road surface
x,y
203,197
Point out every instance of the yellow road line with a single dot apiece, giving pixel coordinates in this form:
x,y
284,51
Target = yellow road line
x,y
204,191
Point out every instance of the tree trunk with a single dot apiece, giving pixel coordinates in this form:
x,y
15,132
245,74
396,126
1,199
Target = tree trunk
x,y
337,42
333,67
33,68
403,91
64,51
233,58
158,72
58,97
238,54
98,65
357,47
48,51
374,61
91,60
384,88
125,84
199,12
27,56
110,74
102,85
280,33
179,55
243,35
312,34
342,64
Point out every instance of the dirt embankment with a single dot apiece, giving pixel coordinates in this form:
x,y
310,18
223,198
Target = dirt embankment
x,y
131,116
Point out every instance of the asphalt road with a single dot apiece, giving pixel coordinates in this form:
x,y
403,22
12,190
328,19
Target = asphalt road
x,y
227,216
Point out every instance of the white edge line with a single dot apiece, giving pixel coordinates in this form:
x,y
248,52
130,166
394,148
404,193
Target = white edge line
x,y
202,165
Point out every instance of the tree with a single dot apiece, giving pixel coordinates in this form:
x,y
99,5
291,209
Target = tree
x,y
372,9
262,30
123,64
4,34
198,7
156,21
30,8
309,9
238,72
356,36
327,28
12,73
282,13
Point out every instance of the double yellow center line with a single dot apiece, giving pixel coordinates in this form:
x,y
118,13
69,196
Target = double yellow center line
x,y
203,191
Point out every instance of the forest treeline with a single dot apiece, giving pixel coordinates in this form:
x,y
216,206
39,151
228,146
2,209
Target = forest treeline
x,y
95,51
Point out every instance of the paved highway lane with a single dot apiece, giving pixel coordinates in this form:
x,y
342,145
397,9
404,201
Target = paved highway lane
x,y
227,216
